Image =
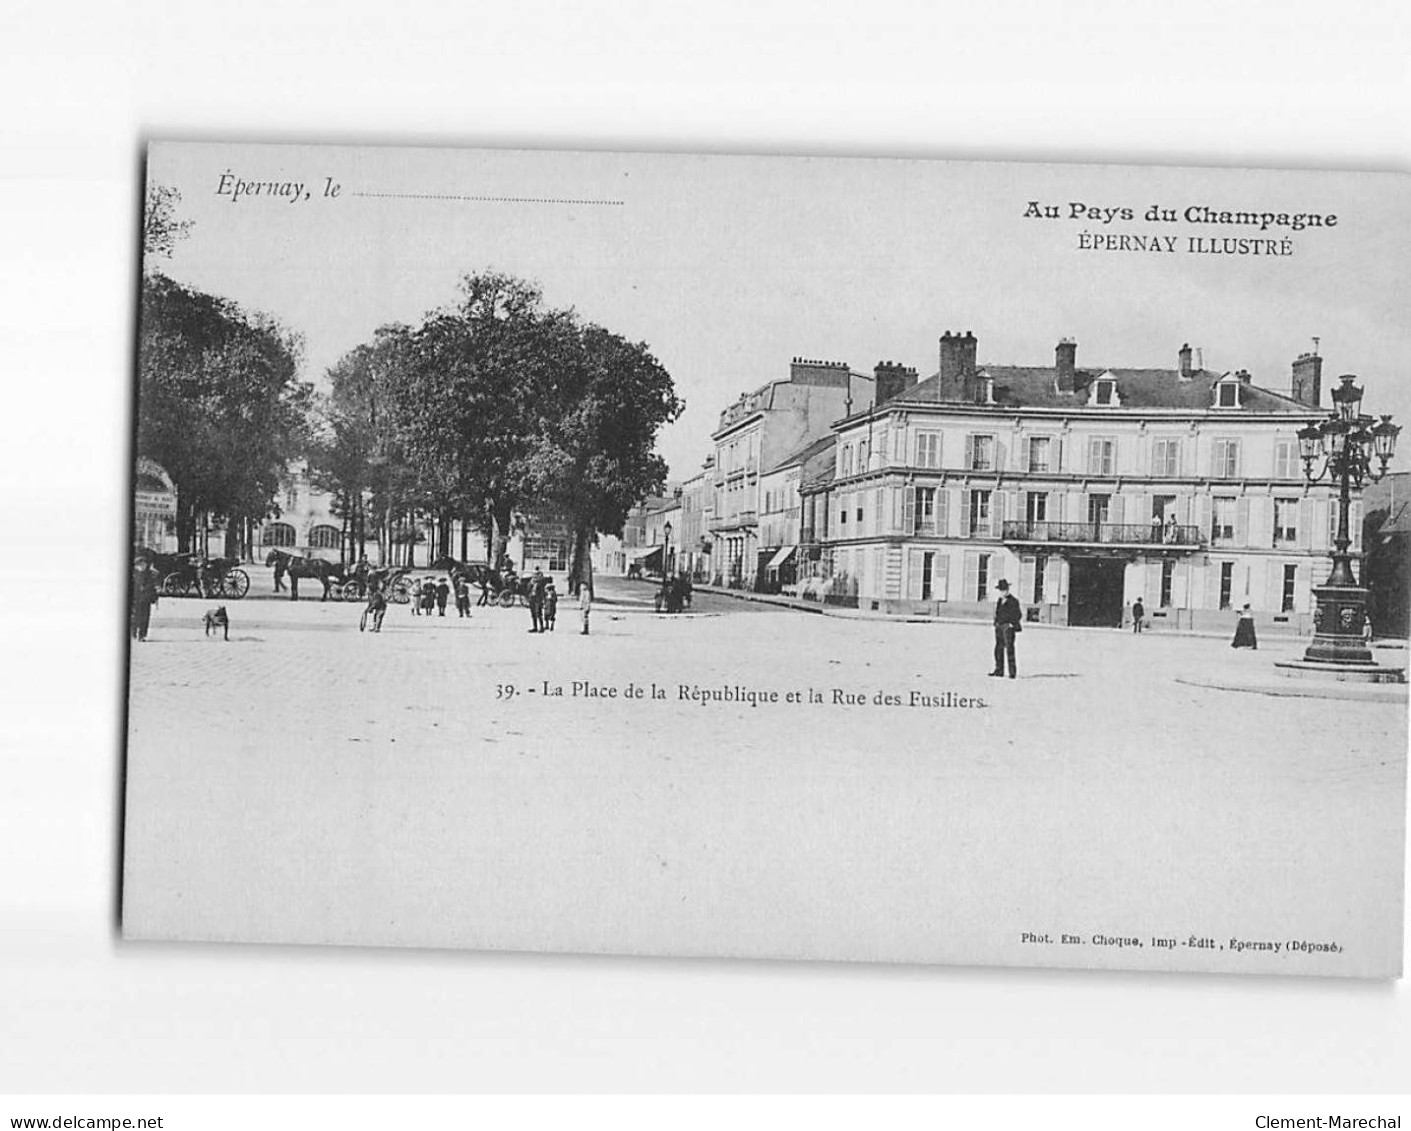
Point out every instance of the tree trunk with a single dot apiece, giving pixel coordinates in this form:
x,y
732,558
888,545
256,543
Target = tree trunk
x,y
502,513
576,568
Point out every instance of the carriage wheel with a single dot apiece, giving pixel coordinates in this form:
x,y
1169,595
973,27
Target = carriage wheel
x,y
505,599
235,583
524,600
348,591
173,586
402,593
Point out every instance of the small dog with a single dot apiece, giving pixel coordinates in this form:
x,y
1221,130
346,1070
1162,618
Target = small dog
x,y
217,619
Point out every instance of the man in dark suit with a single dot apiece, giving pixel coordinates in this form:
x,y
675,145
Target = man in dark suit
x,y
1008,616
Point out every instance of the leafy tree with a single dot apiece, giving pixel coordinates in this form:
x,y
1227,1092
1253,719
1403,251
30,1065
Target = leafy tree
x,y
218,404
591,456
161,227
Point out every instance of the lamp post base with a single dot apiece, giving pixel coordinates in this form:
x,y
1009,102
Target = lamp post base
x,y
1338,627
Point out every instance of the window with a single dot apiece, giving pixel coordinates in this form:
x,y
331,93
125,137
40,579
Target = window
x,y
1104,394
1101,456
928,449
982,453
1166,458
982,578
862,456
1222,525
278,534
1227,459
1035,507
980,514
1285,521
928,560
1286,460
1040,453
1040,565
845,462
325,537
1099,507
1229,395
1227,583
1168,577
1290,588
925,510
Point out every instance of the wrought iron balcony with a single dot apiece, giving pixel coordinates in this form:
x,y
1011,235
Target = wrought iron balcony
x,y
1103,534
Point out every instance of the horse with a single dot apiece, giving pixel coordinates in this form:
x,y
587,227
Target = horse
x,y
295,567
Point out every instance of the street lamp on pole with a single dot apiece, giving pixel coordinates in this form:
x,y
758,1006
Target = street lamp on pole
x,y
1342,449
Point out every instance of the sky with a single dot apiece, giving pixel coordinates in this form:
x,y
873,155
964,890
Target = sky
x,y
727,267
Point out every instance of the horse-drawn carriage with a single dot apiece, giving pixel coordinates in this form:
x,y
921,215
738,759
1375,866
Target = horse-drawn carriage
x,y
506,588
393,584
190,575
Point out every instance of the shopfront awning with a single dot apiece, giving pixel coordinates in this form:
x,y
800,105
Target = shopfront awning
x,y
785,552
644,557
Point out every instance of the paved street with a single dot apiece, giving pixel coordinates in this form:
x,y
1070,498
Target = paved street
x,y
426,786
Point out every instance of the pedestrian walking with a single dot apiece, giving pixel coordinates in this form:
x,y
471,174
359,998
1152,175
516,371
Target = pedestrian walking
x,y
484,588
428,596
537,583
1008,618
585,602
1244,631
144,596
1138,612
551,605
376,609
443,594
462,597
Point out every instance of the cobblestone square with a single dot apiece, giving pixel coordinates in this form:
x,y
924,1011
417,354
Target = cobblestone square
x,y
308,782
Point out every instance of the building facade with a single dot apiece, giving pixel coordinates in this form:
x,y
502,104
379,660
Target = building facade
x,y
755,433
1086,488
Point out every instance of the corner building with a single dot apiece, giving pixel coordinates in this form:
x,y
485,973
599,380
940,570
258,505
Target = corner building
x,y
1086,488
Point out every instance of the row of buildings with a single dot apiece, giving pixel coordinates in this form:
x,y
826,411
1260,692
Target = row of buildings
x,y
1086,486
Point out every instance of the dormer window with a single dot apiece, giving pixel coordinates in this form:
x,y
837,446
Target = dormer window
x,y
1103,392
1227,394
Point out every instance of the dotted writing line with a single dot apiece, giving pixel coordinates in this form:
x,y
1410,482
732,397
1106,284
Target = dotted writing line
x,y
487,199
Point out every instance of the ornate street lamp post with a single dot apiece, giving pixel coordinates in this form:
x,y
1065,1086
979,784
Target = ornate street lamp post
x,y
1342,449
665,561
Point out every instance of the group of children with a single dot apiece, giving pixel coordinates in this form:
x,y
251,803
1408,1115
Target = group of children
x,y
433,594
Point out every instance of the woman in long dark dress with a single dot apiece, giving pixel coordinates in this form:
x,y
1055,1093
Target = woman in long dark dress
x,y
1244,631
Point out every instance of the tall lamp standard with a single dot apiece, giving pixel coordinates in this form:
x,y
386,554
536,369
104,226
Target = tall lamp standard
x,y
665,560
1342,449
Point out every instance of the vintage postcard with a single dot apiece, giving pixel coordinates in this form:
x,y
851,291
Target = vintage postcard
x,y
848,559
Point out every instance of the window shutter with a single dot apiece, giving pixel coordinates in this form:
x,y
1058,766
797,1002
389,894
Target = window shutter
x,y
1242,522
1115,510
1212,584
1303,589
999,454
1235,445
969,450
997,513
1143,512
965,517
1053,577
1024,453
1094,457
1354,523
1332,505
972,576
908,514
940,578
1152,597
1026,579
1305,523
1203,515
1216,450
913,575
943,511
1274,587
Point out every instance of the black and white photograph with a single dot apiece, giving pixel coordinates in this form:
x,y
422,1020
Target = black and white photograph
x,y
877,560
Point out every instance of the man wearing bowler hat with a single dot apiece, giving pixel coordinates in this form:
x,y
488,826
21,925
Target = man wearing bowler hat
x,y
1008,616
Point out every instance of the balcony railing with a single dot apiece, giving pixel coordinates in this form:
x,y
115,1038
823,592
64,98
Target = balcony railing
x,y
1102,533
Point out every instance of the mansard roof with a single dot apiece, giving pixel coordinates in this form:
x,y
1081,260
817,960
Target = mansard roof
x,y
1036,386
802,455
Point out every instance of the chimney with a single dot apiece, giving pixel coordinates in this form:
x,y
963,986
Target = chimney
x,y
1185,362
807,371
892,380
1242,376
957,366
1308,379
1065,365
